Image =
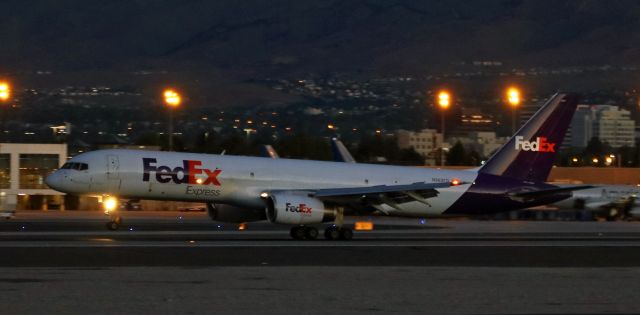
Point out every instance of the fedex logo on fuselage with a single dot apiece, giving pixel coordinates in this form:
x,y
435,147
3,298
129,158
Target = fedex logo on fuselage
x,y
185,174
540,144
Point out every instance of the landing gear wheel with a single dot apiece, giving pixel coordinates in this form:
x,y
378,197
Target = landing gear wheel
x,y
297,232
310,233
346,234
112,225
332,233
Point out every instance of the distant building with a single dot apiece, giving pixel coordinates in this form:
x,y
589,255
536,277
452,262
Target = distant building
x,y
527,110
473,119
23,168
483,142
426,142
608,123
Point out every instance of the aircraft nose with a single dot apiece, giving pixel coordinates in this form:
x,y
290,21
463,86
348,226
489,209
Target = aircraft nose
x,y
54,180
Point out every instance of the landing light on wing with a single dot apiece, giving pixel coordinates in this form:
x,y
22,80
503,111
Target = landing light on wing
x,y
455,182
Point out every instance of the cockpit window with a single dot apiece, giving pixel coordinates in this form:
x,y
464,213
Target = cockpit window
x,y
75,166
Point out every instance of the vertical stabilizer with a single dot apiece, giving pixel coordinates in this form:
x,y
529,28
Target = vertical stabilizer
x,y
530,153
340,152
268,151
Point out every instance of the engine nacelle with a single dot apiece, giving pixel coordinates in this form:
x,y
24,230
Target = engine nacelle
x,y
294,208
232,214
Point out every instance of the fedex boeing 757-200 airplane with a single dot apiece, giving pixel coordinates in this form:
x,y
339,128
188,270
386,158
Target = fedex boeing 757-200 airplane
x,y
305,193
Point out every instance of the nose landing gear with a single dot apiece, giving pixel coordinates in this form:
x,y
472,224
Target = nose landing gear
x,y
110,205
115,222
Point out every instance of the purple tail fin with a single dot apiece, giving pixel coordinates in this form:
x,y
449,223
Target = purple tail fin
x,y
530,153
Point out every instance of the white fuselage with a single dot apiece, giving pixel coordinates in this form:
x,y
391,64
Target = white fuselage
x,y
239,180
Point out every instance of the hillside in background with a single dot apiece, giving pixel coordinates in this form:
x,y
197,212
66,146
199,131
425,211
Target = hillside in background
x,y
226,42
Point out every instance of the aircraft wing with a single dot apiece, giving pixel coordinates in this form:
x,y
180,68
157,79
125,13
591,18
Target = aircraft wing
x,y
377,196
375,190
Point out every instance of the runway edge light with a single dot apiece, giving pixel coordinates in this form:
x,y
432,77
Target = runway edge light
x,y
364,226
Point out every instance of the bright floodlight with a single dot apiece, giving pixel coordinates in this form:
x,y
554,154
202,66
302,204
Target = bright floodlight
x,y
110,204
5,91
444,99
513,96
172,98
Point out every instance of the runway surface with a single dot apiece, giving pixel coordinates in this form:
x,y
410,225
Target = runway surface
x,y
191,239
183,263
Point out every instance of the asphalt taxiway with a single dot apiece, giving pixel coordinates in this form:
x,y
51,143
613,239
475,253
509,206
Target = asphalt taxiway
x,y
183,263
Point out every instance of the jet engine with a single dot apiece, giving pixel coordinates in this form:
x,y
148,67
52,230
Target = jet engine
x,y
232,214
291,208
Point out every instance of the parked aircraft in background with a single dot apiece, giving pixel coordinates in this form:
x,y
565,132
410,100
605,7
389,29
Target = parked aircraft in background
x,y
305,193
268,151
606,201
340,152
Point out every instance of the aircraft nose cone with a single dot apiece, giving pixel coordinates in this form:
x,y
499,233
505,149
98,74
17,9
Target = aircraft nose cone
x,y
53,180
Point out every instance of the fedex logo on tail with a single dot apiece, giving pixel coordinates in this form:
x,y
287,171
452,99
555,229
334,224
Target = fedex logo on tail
x,y
540,144
185,174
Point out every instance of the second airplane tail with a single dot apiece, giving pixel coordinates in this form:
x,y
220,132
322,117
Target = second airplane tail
x,y
530,153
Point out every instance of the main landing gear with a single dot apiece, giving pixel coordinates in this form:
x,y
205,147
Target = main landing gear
x,y
115,223
334,232
338,233
331,233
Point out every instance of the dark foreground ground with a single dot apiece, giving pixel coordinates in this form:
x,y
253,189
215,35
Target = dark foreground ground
x,y
176,263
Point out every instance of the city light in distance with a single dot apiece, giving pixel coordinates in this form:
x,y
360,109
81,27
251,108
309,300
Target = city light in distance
x,y
608,160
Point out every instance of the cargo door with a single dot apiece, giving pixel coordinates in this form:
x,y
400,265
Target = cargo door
x,y
113,173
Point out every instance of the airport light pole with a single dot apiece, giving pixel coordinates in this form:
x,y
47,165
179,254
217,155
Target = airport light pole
x,y
444,100
172,99
513,98
5,97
